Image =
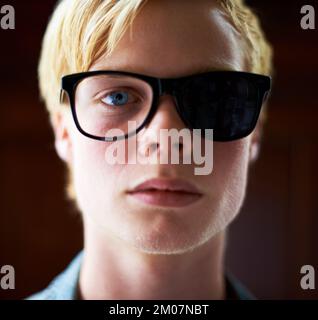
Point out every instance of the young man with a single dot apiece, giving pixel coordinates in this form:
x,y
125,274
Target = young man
x,y
154,230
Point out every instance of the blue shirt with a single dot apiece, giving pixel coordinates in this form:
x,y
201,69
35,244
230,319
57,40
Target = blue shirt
x,y
64,286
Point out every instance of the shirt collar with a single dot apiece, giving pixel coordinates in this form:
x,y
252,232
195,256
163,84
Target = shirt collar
x,y
65,285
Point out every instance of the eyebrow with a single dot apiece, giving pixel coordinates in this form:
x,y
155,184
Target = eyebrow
x,y
215,66
204,69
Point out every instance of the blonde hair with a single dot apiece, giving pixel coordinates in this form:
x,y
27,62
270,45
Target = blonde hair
x,y
81,31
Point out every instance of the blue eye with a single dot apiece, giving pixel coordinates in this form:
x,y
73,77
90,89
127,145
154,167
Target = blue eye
x,y
116,98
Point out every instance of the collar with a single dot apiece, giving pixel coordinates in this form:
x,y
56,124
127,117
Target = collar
x,y
65,285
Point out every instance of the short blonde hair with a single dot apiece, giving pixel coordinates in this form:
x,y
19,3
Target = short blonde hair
x,y
81,31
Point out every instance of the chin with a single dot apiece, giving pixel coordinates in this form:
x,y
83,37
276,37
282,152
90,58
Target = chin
x,y
168,238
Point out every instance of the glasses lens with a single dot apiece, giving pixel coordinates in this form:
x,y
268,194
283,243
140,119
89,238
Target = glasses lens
x,y
105,103
227,103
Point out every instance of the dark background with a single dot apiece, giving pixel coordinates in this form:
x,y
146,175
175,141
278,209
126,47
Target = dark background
x,y
276,232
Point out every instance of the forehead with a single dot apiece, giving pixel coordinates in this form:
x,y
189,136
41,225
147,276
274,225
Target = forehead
x,y
171,38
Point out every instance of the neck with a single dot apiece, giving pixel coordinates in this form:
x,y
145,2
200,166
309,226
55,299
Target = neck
x,y
112,270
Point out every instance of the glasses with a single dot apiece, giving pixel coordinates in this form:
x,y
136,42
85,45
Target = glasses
x,y
103,102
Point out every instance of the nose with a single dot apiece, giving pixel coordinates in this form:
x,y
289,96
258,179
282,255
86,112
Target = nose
x,y
166,117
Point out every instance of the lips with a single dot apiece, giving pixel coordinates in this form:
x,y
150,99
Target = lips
x,y
172,185
166,193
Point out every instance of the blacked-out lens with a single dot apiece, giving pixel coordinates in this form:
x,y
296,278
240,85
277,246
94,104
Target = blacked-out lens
x,y
227,102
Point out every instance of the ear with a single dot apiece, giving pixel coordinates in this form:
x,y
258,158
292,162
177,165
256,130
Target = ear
x,y
63,143
255,142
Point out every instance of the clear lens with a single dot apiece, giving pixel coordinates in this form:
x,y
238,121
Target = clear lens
x,y
105,103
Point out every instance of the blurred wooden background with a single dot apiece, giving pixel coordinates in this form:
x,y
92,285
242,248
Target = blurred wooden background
x,y
276,232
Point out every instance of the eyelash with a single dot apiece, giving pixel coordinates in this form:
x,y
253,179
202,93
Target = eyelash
x,y
112,91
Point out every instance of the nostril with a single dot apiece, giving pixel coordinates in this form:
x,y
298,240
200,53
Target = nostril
x,y
178,145
151,148
154,146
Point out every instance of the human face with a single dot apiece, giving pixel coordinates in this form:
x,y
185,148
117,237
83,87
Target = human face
x,y
169,39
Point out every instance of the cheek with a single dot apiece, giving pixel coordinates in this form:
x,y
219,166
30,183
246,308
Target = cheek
x,y
231,157
230,174
94,179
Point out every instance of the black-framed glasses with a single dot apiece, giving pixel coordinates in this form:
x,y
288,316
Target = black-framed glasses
x,y
104,102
